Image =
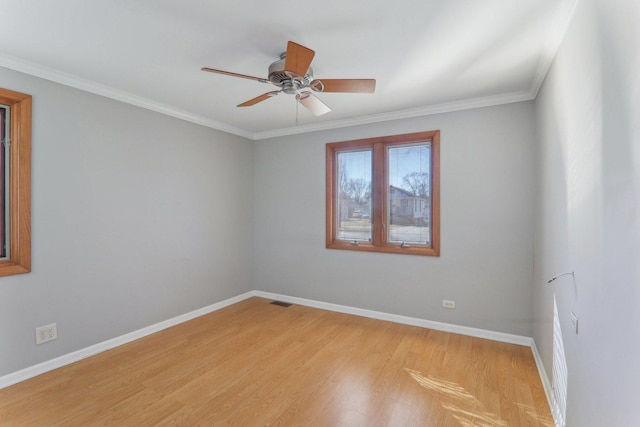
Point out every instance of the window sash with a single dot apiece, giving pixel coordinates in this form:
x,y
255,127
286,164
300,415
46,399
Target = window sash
x,y
353,199
408,221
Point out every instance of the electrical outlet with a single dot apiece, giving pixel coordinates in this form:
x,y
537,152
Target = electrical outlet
x,y
448,303
574,321
46,333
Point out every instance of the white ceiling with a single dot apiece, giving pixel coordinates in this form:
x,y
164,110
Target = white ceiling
x,y
427,55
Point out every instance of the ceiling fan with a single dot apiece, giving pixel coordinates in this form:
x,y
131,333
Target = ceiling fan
x,y
294,76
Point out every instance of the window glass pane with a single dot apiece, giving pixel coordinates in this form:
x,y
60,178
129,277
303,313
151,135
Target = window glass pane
x,y
409,197
353,214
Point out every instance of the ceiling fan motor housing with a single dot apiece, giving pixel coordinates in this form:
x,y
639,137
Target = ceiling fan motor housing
x,y
288,81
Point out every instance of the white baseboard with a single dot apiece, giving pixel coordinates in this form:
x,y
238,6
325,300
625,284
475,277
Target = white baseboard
x,y
413,321
32,371
546,384
439,326
58,362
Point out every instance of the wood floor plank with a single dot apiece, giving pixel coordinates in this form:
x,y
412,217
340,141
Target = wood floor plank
x,y
256,364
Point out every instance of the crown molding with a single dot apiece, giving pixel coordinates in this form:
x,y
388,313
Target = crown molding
x,y
554,39
70,80
447,107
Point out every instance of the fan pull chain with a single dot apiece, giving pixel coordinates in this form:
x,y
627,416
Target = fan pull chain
x,y
297,112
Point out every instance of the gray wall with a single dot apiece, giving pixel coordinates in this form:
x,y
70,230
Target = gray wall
x,y
487,186
137,218
588,212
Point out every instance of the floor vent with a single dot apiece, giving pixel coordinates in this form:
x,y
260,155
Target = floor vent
x,y
282,303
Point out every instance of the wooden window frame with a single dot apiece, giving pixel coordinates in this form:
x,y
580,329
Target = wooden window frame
x,y
380,188
19,210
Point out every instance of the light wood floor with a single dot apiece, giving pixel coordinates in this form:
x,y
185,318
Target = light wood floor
x,y
259,364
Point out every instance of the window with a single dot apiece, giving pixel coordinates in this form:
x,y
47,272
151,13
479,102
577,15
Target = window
x,y
15,182
383,194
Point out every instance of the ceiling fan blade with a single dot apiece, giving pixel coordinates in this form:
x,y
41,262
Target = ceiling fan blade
x,y
344,85
257,99
229,73
298,59
312,103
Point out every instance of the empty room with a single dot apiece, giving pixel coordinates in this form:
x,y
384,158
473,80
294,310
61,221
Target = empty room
x,y
346,213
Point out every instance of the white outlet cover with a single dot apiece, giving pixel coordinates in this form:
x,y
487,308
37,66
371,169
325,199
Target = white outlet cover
x,y
46,333
448,303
